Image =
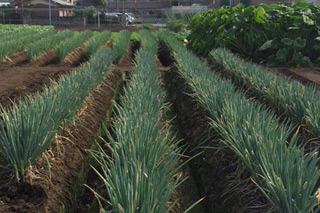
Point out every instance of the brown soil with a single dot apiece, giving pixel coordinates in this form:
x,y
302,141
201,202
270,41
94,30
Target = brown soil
x,y
309,75
76,57
216,169
43,58
14,59
17,82
50,183
22,77
187,193
111,28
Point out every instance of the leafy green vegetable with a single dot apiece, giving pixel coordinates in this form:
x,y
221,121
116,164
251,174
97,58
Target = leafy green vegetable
x,y
260,32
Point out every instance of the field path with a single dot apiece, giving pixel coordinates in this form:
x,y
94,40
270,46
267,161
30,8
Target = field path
x,y
21,78
303,75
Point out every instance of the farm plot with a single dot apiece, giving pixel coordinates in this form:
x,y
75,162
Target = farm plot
x,y
298,102
277,165
147,155
25,75
51,161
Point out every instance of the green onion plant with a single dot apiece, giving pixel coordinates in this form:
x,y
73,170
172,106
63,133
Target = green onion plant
x,y
96,42
298,102
141,174
47,43
67,46
278,165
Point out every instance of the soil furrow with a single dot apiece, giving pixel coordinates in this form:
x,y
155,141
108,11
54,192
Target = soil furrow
x,y
303,75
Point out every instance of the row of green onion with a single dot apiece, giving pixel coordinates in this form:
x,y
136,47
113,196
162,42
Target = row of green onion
x,y
140,173
28,127
278,165
298,102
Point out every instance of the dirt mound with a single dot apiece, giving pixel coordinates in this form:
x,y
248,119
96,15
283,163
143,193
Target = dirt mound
x,y
14,59
310,75
51,182
76,57
43,59
17,82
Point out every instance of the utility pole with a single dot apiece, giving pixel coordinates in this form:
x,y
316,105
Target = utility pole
x,y
135,6
98,17
117,5
49,12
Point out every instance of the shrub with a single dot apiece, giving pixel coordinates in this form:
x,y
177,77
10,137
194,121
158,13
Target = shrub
x,y
176,25
274,34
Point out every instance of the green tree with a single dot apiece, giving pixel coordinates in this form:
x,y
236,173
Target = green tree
x,y
224,3
245,2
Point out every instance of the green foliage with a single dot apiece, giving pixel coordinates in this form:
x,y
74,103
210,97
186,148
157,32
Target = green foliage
x,y
278,165
15,28
114,36
273,34
141,174
145,26
98,2
89,12
121,43
181,36
29,126
224,3
7,36
47,43
177,25
20,43
297,101
246,3
66,47
97,42
135,37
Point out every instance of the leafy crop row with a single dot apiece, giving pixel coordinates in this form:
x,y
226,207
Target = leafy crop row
x,y
278,165
20,43
66,47
275,34
34,28
139,177
47,43
119,42
7,36
300,103
29,127
96,42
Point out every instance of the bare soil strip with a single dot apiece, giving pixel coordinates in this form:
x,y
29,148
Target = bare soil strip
x,y
27,78
310,75
216,168
17,82
44,58
55,173
187,193
14,59
76,57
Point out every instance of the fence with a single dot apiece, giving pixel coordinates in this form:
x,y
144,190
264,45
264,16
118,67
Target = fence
x,y
70,17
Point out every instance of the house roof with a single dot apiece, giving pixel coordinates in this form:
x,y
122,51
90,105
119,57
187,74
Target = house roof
x,y
34,3
63,3
4,4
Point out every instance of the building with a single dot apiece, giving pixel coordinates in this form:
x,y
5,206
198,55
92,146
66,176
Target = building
x,y
37,11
